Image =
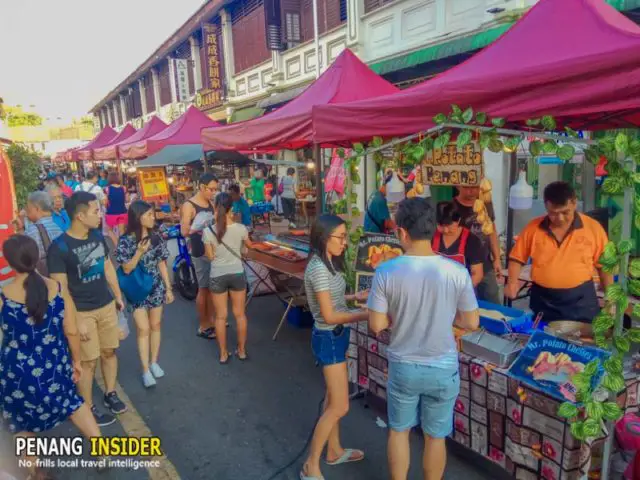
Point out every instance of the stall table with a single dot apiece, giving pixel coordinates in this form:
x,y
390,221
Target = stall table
x,y
292,270
519,432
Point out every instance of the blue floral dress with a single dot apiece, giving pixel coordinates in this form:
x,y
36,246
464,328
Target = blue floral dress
x,y
36,389
150,260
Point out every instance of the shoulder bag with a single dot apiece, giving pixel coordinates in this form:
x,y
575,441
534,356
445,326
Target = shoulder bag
x,y
136,285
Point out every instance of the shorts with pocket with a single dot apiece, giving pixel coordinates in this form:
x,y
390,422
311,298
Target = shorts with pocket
x,y
330,347
422,395
114,220
203,270
234,282
104,334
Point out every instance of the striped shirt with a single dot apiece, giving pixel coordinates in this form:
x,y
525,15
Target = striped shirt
x,y
318,278
50,226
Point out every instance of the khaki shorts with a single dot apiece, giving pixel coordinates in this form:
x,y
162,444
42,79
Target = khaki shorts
x,y
102,325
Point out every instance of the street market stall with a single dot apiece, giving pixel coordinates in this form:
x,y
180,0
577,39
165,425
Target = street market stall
x,y
507,412
109,152
101,139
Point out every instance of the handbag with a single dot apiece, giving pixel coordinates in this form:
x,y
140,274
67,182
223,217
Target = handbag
x,y
281,186
137,285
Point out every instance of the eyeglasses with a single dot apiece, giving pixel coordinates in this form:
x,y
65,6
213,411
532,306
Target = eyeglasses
x,y
340,238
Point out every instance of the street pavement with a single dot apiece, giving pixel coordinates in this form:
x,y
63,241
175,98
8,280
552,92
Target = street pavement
x,y
243,420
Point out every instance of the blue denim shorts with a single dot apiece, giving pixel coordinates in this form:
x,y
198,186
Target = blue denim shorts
x,y
329,348
422,395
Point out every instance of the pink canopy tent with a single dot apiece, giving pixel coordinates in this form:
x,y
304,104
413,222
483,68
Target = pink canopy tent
x,y
110,151
100,140
153,126
347,79
183,131
578,60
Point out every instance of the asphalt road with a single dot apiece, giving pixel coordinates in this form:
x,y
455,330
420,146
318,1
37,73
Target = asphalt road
x,y
244,420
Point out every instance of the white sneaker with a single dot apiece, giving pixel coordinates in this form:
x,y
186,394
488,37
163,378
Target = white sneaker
x,y
156,370
147,380
292,225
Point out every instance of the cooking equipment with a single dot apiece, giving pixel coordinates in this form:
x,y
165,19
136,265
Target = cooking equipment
x,y
487,346
571,330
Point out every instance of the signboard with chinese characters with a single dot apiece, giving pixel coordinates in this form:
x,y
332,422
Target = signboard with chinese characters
x,y
450,166
212,95
182,69
153,184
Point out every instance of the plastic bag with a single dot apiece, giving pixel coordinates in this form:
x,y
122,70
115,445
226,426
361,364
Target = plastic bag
x,y
123,325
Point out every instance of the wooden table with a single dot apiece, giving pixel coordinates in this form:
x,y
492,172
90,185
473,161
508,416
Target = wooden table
x,y
293,270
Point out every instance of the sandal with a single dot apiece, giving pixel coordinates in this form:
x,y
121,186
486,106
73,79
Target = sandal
x,y
240,357
226,360
348,456
207,333
304,476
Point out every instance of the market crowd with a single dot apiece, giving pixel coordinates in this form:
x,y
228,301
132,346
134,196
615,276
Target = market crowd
x,y
61,314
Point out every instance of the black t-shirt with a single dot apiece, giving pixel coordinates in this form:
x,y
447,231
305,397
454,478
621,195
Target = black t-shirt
x,y
474,252
470,220
83,261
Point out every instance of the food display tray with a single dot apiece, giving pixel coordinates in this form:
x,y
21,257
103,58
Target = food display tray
x,y
491,348
271,253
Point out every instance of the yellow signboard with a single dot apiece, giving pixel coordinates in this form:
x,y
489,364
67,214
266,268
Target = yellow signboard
x,y
153,184
450,166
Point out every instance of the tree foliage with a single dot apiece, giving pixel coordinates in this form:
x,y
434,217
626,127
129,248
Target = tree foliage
x,y
26,169
16,117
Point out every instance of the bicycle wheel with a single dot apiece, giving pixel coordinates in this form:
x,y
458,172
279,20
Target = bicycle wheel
x,y
186,280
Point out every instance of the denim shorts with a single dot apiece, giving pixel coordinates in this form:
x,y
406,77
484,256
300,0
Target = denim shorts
x,y
329,348
422,395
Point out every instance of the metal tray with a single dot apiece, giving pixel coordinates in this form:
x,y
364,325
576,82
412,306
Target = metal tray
x,y
491,348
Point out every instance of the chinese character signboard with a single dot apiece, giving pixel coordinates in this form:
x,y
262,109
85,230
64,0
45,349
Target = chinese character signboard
x,y
182,69
153,183
450,166
212,95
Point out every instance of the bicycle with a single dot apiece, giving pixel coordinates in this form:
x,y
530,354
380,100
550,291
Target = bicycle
x,y
183,269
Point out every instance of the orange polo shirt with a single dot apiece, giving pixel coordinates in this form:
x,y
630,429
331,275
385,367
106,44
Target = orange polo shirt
x,y
565,264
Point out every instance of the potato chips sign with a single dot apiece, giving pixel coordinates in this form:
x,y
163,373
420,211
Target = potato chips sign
x,y
373,250
450,166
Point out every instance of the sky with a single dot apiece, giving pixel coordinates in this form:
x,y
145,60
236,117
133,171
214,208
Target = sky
x,y
64,56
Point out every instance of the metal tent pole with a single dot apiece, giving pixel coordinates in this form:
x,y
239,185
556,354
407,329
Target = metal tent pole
x,y
317,161
513,177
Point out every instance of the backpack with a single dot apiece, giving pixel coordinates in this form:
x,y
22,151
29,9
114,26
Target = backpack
x,y
41,266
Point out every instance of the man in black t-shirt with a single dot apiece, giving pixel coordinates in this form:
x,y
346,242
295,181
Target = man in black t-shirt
x,y
488,287
456,242
79,261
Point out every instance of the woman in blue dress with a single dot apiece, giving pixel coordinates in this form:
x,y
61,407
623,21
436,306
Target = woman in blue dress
x,y
39,353
141,245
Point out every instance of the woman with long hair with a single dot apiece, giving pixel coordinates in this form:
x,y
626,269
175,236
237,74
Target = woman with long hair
x,y
326,293
116,215
140,245
39,353
224,243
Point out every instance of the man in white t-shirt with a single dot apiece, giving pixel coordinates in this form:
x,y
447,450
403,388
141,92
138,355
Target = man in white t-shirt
x,y
419,296
90,185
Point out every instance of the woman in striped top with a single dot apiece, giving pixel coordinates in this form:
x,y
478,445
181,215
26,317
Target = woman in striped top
x,y
326,288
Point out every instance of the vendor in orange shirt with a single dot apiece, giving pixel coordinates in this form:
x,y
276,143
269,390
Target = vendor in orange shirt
x,y
565,247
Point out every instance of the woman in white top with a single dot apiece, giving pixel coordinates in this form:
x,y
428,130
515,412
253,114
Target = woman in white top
x,y
224,244
289,187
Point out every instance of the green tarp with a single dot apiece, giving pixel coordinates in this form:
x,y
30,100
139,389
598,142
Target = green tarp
x,y
173,155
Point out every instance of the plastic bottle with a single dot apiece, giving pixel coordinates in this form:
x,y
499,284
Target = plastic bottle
x,y
521,194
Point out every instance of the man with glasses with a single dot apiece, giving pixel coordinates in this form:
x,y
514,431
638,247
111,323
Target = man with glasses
x,y
197,214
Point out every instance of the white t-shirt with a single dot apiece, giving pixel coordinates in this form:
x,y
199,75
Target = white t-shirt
x,y
227,262
288,187
91,188
421,296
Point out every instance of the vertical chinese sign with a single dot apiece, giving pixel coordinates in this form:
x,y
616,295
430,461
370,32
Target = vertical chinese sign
x,y
211,96
182,69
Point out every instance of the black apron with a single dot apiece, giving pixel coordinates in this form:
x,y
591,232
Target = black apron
x,y
578,304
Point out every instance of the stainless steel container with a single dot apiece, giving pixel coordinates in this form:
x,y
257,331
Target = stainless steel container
x,y
491,348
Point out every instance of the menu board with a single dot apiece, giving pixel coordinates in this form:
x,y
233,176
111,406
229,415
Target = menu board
x,y
153,184
548,363
451,166
373,250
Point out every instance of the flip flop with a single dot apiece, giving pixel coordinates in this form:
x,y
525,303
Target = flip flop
x,y
226,361
346,457
307,477
243,359
207,333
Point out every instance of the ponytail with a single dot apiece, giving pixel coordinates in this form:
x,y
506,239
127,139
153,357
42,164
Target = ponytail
x,y
37,295
223,205
221,222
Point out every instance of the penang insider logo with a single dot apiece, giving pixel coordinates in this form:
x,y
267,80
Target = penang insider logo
x,y
107,452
